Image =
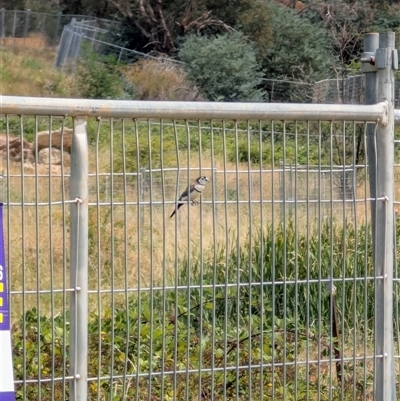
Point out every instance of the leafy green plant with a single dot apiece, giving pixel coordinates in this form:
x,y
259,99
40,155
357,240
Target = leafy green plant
x,y
224,67
216,324
99,77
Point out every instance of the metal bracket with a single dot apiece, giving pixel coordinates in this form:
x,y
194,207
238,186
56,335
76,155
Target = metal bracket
x,y
385,117
368,62
381,58
371,62
395,60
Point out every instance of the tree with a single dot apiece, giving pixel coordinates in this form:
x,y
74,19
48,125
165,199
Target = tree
x,y
300,51
224,67
97,8
159,22
161,25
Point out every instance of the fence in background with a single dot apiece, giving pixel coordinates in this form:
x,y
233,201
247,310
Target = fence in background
x,y
35,29
79,37
76,34
262,291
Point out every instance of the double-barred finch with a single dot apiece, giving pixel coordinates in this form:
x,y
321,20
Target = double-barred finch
x,y
191,193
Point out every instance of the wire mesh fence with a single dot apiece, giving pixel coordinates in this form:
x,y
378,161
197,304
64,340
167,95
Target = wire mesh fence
x,y
346,90
263,290
343,90
79,38
35,29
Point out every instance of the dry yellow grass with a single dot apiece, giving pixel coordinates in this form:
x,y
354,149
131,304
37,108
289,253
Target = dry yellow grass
x,y
128,249
30,72
160,80
31,42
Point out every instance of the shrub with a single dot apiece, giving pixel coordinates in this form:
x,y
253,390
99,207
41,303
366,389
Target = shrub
x,y
99,77
160,80
224,67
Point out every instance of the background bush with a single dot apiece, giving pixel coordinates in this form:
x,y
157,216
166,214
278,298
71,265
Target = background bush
x,y
224,67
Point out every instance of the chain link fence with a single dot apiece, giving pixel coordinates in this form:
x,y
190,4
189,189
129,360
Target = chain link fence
x,y
35,29
80,37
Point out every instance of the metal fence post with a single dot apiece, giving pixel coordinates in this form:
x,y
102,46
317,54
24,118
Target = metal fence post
x,y
2,22
371,43
26,26
79,262
60,59
384,383
56,32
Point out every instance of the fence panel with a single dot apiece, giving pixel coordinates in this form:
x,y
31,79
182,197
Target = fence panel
x,y
263,290
36,29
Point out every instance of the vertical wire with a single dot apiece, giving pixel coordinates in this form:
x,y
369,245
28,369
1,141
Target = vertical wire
x,y
273,264
319,257
375,237
261,261
284,267
355,320
38,270
308,264
227,250
24,359
214,242
126,275
99,261
139,255
296,260
344,267
151,244
201,275
164,255
112,265
365,281
51,259
238,256
176,260
64,262
250,264
189,268
331,262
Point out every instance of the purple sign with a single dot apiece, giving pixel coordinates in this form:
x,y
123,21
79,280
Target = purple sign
x,y
6,376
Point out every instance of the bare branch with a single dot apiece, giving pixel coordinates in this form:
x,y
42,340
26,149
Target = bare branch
x,y
204,21
123,7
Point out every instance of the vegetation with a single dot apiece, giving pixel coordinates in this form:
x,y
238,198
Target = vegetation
x,y
228,48
224,67
185,329
279,39
98,77
225,326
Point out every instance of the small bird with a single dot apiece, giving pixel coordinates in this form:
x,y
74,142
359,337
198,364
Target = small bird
x,y
191,193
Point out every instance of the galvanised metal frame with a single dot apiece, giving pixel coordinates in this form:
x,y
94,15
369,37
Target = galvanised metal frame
x,y
287,117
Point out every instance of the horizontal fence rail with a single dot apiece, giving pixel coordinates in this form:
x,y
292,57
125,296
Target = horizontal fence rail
x,y
190,110
263,289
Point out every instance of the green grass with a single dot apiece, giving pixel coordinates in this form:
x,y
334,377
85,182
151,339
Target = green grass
x,y
228,326
198,327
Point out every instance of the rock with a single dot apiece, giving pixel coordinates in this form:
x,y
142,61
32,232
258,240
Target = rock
x,y
14,148
57,139
53,156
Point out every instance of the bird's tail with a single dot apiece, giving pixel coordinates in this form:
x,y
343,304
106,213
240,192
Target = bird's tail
x,y
176,209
